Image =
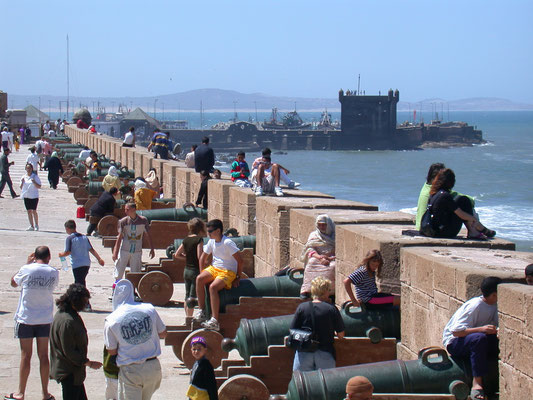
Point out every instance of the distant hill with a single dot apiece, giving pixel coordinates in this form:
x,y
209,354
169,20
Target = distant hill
x,y
219,99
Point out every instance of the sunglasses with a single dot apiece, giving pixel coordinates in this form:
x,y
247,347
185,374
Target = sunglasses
x,y
211,230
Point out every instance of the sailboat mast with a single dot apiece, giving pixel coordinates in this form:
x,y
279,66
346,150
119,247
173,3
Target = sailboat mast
x,y
68,78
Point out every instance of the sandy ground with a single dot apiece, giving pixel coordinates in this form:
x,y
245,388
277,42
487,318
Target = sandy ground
x,y
55,207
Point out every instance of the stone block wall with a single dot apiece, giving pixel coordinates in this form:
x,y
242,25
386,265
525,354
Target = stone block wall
x,y
303,223
437,281
242,203
169,179
354,242
515,311
273,227
218,200
183,187
194,184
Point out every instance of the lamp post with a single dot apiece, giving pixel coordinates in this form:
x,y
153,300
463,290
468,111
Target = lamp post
x,y
155,104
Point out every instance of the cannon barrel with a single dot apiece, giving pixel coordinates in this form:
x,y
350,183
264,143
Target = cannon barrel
x,y
95,188
122,172
255,335
62,146
242,242
433,372
173,214
271,286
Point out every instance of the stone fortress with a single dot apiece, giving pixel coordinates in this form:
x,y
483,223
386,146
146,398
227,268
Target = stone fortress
x,y
433,276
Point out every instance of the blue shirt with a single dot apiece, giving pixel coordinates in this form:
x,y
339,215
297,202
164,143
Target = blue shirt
x,y
79,247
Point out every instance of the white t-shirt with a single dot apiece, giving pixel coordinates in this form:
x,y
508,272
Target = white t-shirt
x,y
472,314
29,191
5,136
33,159
84,154
134,329
128,139
223,252
189,160
36,302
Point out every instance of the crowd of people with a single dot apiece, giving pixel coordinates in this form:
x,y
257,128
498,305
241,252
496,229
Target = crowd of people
x,y
133,330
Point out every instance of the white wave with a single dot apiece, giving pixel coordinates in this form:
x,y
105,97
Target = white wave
x,y
514,223
410,210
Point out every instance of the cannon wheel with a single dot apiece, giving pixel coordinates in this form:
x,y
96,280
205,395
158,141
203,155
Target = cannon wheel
x,y
177,351
108,226
243,387
89,204
215,352
156,287
81,193
66,176
74,182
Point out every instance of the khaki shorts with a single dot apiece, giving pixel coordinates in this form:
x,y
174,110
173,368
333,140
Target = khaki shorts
x,y
223,274
268,184
133,260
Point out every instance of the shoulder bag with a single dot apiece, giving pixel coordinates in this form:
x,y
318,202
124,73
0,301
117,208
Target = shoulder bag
x,y
302,339
426,223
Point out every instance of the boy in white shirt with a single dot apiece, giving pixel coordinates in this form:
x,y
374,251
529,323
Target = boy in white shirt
x,y
35,313
224,273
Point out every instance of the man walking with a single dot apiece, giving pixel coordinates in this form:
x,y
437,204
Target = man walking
x,y
132,333
204,157
34,316
4,172
131,229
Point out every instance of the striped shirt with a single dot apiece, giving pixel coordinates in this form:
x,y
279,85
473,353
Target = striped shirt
x,y
365,285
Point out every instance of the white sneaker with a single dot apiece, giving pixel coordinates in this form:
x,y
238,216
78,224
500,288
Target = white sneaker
x,y
293,184
30,228
212,324
259,191
278,191
199,315
36,227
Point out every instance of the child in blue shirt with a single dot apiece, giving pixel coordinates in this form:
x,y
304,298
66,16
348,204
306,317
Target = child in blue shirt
x,y
78,247
240,172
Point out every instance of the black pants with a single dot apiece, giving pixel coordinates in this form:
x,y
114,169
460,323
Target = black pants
x,y
6,179
453,226
80,274
71,391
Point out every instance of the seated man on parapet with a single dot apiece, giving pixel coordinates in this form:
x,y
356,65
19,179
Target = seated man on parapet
x,y
472,332
283,171
267,178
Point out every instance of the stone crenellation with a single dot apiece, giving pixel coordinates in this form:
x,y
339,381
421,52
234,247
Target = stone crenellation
x,y
434,276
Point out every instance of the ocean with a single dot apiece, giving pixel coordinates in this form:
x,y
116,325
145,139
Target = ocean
x,y
498,174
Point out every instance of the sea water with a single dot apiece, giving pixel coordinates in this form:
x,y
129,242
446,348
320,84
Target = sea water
x,y
498,174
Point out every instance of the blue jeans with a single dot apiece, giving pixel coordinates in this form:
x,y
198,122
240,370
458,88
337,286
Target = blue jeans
x,y
306,361
478,347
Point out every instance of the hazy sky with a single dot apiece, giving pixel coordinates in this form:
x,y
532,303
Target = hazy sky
x,y
449,49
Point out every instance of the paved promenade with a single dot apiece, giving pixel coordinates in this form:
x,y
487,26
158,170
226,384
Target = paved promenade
x,y
55,207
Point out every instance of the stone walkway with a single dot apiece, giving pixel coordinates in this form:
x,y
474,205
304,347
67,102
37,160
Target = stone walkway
x,y
55,207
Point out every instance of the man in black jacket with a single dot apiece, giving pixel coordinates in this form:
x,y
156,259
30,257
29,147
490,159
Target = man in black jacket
x,y
104,205
204,157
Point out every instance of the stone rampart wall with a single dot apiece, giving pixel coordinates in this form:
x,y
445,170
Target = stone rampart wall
x,y
515,309
434,276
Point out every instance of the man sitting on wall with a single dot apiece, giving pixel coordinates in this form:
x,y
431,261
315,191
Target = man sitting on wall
x,y
160,144
282,170
267,178
472,330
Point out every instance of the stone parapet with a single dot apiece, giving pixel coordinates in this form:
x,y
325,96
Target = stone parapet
x,y
437,281
218,200
183,185
242,203
273,227
303,223
354,241
515,311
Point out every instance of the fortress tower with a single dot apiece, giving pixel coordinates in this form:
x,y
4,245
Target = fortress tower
x,y
368,121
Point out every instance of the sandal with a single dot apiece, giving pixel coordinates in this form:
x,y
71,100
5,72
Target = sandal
x,y
477,236
12,397
477,394
488,232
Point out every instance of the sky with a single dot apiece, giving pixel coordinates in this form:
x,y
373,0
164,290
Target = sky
x,y
427,49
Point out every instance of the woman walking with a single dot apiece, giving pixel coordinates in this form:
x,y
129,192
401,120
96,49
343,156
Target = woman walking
x,y
68,343
55,170
30,185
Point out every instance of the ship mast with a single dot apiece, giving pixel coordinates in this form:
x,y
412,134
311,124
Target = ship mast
x,y
68,79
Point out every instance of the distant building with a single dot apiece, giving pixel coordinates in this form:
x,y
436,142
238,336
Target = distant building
x,y
368,121
144,124
34,115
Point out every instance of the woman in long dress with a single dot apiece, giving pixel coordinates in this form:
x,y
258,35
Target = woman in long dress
x,y
55,170
318,255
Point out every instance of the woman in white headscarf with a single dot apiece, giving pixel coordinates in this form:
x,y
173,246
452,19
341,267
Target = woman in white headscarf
x,y
111,179
318,255
152,182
